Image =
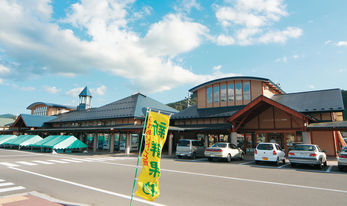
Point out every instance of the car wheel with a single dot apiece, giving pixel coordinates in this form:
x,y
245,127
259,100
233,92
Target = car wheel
x,y
210,159
325,163
340,168
193,155
179,157
293,165
242,156
256,162
320,166
277,161
284,161
229,158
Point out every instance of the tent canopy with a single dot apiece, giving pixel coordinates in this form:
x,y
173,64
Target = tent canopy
x,y
5,138
60,142
23,140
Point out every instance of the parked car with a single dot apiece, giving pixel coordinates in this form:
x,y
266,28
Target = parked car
x,y
269,152
342,158
308,154
190,148
224,150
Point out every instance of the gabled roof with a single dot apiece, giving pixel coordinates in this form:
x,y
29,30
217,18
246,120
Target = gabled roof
x,y
85,92
5,121
312,101
268,81
193,112
50,105
132,106
33,120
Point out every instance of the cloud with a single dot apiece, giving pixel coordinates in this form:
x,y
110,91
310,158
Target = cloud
x,y
286,59
4,70
27,89
99,91
187,6
225,40
74,92
251,22
51,90
341,43
217,68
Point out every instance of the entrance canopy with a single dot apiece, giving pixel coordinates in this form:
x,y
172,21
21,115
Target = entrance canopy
x,y
266,114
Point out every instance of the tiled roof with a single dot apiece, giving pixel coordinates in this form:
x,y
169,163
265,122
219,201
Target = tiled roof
x,y
85,92
312,101
194,113
132,106
5,121
35,120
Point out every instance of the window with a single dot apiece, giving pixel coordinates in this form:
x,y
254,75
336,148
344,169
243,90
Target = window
x,y
246,91
238,91
230,92
216,93
209,95
223,93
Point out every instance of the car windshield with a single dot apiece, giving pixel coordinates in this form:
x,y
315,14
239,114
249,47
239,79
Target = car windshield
x,y
265,147
344,149
305,147
184,143
220,145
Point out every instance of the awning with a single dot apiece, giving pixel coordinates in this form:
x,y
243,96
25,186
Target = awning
x,y
60,142
23,140
5,138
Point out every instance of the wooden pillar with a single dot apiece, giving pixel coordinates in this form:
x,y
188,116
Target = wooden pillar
x,y
112,143
95,142
285,136
245,142
170,144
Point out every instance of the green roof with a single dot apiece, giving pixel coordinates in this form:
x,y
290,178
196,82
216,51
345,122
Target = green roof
x,y
24,140
76,145
55,141
60,142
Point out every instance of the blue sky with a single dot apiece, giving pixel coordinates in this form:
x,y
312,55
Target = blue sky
x,y
51,49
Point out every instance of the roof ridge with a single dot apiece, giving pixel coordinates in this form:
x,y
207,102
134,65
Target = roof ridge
x,y
308,92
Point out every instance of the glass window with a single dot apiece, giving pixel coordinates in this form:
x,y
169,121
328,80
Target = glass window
x,y
238,91
220,145
209,95
184,143
223,93
216,93
230,92
265,147
246,91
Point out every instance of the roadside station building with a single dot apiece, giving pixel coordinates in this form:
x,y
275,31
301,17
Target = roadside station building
x,y
249,110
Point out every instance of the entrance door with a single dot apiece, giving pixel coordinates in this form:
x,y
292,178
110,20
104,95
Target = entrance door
x,y
276,138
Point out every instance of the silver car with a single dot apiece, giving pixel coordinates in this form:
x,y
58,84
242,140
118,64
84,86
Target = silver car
x,y
190,148
309,154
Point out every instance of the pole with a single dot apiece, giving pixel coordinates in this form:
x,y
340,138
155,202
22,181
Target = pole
x,y
138,158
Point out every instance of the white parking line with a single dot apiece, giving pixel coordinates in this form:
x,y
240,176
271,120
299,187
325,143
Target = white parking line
x,y
11,189
6,184
43,162
246,163
1,180
88,187
26,163
70,160
8,164
58,161
329,169
240,179
285,165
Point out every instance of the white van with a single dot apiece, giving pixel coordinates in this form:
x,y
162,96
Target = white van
x,y
190,148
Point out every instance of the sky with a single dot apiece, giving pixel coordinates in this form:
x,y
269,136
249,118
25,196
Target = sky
x,y
51,49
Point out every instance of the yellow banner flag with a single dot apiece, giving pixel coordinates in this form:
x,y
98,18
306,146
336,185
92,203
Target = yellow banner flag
x,y
156,132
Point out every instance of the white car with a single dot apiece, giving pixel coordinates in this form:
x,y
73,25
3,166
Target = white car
x,y
224,150
269,152
342,158
309,154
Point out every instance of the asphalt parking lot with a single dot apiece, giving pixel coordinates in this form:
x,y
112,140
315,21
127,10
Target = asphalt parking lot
x,y
107,180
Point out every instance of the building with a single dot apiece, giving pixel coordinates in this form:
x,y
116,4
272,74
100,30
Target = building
x,y
249,110
48,109
5,123
27,123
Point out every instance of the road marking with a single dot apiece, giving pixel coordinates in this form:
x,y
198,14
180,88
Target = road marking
x,y
6,184
43,162
18,155
285,165
88,187
26,163
18,151
11,188
329,168
247,163
8,164
239,179
69,160
83,159
58,161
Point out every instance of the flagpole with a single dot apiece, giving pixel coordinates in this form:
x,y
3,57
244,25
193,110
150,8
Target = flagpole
x,y
138,158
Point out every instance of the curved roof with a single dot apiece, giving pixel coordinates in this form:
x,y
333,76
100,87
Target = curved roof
x,y
238,78
49,105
